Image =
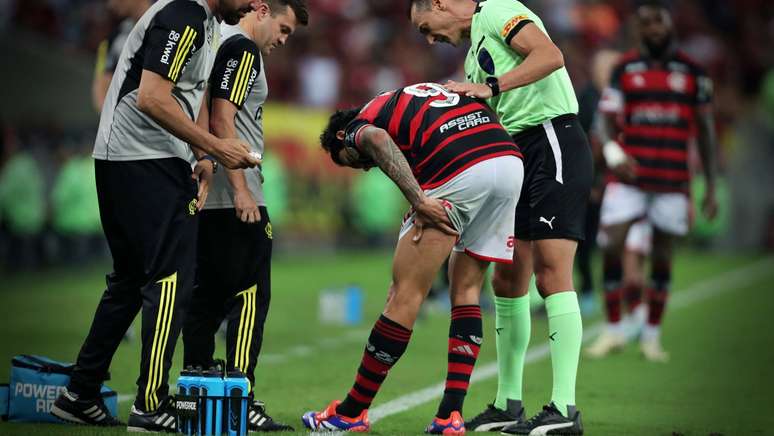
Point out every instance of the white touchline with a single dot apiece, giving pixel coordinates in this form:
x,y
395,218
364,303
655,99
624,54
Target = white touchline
x,y
703,290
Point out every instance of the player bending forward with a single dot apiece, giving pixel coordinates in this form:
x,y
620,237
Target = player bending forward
x,y
462,174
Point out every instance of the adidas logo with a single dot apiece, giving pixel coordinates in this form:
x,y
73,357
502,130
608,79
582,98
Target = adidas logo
x,y
464,349
384,357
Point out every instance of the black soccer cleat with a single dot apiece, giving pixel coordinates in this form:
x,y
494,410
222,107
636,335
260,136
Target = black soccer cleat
x,y
494,419
161,420
259,420
549,421
69,408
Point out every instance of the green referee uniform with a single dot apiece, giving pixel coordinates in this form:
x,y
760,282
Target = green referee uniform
x,y
542,118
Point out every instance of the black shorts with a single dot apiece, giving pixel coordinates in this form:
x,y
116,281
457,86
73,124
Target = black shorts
x,y
558,173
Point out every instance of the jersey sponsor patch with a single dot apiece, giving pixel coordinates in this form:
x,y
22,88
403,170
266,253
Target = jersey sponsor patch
x,y
512,23
465,122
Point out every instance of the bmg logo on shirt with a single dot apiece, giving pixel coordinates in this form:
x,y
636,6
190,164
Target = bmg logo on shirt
x,y
230,68
172,41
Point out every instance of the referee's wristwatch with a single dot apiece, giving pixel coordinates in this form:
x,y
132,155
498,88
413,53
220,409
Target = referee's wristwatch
x,y
494,85
212,160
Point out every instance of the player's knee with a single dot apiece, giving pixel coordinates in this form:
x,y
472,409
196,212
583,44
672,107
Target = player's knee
x,y
404,298
503,283
550,279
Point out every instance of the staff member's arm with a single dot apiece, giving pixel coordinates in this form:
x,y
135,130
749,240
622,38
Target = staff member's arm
x,y
205,166
102,76
541,58
236,67
611,107
169,45
707,143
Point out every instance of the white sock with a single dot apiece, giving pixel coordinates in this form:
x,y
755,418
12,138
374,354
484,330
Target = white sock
x,y
616,328
651,332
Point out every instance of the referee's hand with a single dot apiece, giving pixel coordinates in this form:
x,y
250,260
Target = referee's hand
x,y
234,154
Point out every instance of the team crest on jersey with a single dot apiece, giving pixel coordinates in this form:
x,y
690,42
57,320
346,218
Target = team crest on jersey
x,y
512,23
677,82
192,207
269,232
638,81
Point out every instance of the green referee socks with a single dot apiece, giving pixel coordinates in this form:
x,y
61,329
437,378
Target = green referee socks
x,y
565,335
512,325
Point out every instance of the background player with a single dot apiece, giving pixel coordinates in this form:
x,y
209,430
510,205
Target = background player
x,y
109,50
466,166
235,233
148,202
515,66
657,97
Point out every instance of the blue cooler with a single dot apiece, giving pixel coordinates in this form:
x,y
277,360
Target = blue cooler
x,y
237,396
212,389
187,401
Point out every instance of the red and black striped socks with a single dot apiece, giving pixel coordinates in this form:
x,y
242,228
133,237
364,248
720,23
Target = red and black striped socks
x,y
385,346
465,337
658,292
612,278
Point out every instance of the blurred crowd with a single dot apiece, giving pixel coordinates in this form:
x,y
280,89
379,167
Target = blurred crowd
x,y
356,48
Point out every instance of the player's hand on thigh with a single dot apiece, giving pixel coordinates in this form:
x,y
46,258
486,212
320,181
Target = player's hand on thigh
x,y
431,212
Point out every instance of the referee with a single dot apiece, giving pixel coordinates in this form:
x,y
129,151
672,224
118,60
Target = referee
x,y
514,65
148,201
233,279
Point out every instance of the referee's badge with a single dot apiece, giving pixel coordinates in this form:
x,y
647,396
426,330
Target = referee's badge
x,y
269,231
486,62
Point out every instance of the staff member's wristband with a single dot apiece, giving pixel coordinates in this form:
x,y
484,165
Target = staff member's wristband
x,y
212,160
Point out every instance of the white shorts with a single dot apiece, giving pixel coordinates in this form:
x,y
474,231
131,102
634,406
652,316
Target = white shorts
x,y
482,208
668,211
640,237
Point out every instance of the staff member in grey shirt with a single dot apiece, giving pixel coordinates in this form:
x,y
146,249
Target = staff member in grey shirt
x,y
148,201
233,279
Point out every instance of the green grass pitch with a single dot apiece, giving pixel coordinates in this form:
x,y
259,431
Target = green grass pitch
x,y
718,382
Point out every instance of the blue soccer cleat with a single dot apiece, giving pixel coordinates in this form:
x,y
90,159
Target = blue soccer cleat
x,y
329,420
453,425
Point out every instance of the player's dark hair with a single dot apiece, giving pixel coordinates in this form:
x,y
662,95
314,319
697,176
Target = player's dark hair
x,y
338,121
298,6
422,5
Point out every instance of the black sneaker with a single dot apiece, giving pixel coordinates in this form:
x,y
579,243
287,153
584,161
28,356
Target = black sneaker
x,y
494,419
549,421
161,420
69,408
259,420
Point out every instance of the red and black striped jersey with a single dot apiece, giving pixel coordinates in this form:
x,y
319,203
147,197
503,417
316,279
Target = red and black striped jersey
x,y
439,132
656,103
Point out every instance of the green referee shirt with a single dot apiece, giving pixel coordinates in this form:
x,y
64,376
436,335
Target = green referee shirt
x,y
495,23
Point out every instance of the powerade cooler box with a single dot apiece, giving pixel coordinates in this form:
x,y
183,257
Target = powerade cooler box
x,y
36,382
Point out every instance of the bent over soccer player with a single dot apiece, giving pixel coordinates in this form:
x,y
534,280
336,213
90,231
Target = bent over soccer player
x,y
468,176
235,237
148,202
